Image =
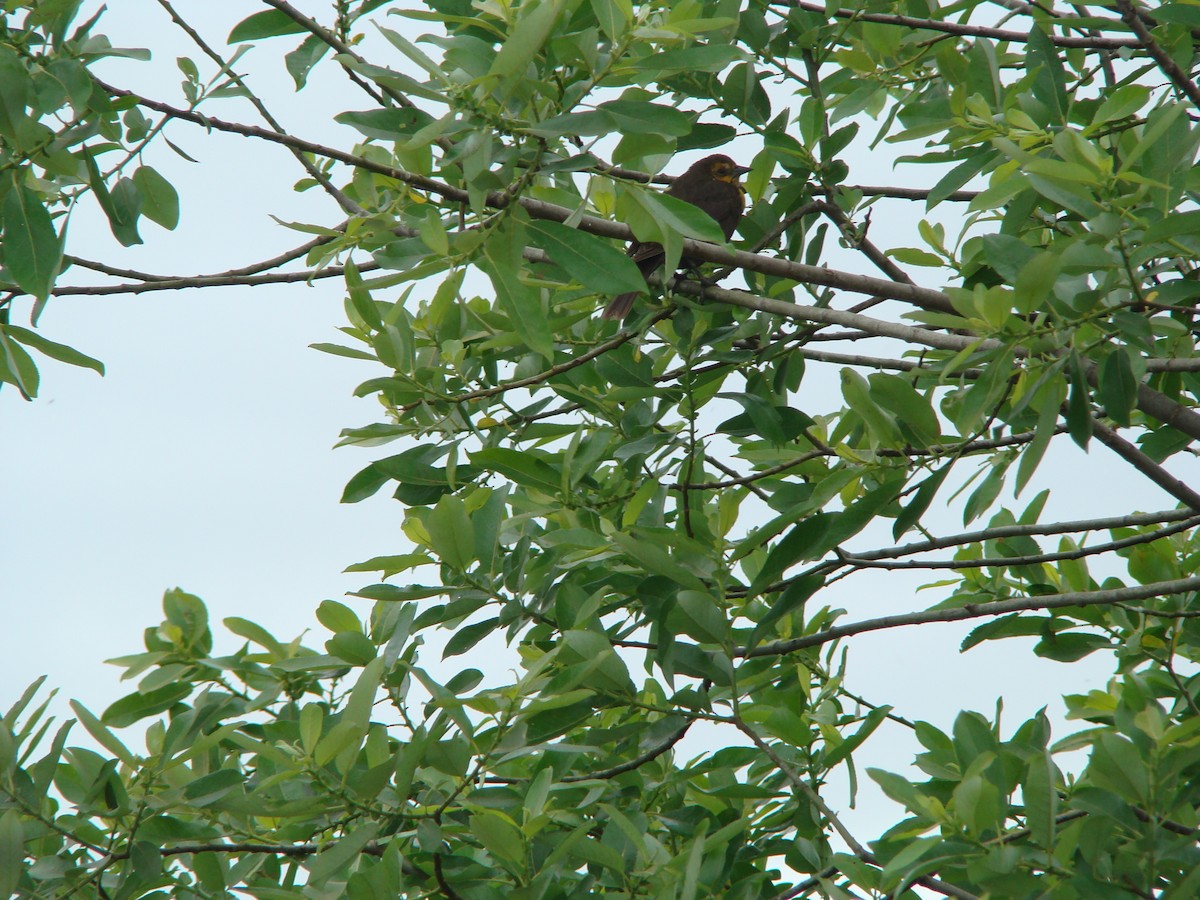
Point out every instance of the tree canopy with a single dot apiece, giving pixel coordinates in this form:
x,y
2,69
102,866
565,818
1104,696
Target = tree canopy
x,y
619,534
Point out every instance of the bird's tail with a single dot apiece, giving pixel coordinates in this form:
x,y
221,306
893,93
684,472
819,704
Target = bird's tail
x,y
620,305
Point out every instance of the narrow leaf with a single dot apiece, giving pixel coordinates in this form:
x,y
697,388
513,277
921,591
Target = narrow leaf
x,y
32,249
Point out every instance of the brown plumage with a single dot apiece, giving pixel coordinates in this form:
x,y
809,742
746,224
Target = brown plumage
x,y
712,185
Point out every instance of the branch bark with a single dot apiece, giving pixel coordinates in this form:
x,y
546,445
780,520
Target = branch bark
x,y
995,34
977,611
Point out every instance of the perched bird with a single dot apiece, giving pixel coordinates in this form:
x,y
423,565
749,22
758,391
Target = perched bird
x,y
712,185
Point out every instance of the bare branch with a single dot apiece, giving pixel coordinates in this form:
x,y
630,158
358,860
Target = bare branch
x,y
348,205
793,778
1008,531
907,453
1170,68
977,611
1148,467
1030,560
996,34
699,250
1155,403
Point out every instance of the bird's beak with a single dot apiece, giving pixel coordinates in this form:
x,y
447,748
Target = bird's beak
x,y
740,170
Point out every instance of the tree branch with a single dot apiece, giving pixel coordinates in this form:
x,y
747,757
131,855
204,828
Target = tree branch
x,y
1156,404
1030,560
1182,81
699,250
976,611
1008,531
995,34
1144,464
347,205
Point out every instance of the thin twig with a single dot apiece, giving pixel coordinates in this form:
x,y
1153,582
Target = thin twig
x,y
996,34
977,611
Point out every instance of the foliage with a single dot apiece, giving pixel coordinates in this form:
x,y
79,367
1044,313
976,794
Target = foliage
x,y
643,527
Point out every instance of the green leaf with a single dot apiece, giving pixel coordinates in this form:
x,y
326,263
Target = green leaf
x,y
534,24
520,467
390,565
136,707
765,419
989,489
582,123
121,211
1008,626
1071,646
1079,404
743,93
338,617
911,514
705,135
1116,386
627,367
467,636
790,599
800,544
352,646
899,789
702,618
1049,79
103,735
1121,102
520,302
1050,400
301,60
913,411
1068,194
256,633
644,117
880,422
1039,791
613,17
336,860
451,533
595,262
17,367
1035,281
60,352
360,297
958,176
681,217
912,853
365,484
386,124
12,852
601,668
160,202
362,695
266,24
1117,765
712,57
15,88
1157,125
656,560
1178,13
32,249
54,15
500,835
871,721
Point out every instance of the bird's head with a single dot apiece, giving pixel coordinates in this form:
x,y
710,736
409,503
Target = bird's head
x,y
722,168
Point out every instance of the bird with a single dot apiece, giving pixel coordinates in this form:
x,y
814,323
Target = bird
x,y
711,185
